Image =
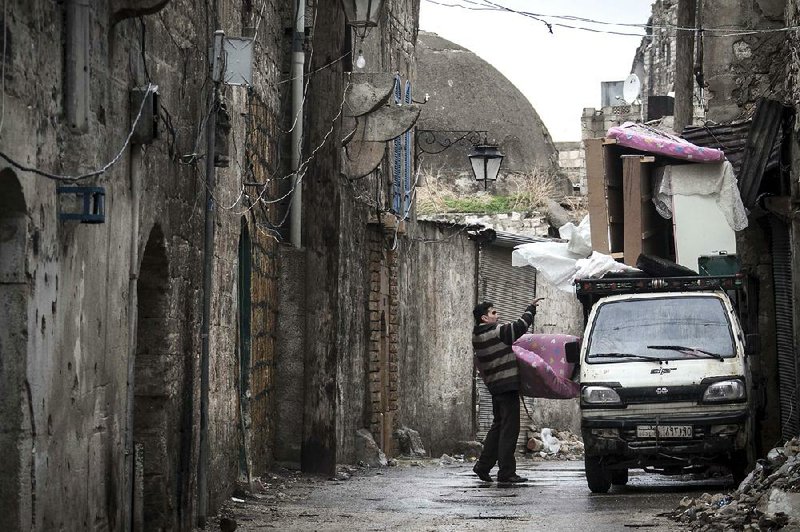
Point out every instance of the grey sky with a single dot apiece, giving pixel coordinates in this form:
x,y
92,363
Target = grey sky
x,y
560,73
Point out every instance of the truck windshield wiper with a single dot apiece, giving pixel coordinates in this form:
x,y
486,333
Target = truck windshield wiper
x,y
688,350
624,355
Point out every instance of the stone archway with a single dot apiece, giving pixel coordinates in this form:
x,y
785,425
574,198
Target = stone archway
x,y
15,510
156,411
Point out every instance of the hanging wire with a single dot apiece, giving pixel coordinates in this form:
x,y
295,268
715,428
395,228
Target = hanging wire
x,y
488,5
300,172
112,162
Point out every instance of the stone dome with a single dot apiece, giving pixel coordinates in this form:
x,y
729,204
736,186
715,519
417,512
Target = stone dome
x,y
467,93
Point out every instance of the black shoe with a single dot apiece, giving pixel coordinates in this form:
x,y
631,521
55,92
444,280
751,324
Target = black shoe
x,y
513,479
483,475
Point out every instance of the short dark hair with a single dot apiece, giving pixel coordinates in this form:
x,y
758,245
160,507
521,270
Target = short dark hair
x,y
480,310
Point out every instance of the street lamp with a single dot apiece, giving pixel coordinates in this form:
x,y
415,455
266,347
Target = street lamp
x,y
485,160
362,15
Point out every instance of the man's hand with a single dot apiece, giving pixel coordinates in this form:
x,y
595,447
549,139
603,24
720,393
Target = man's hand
x,y
536,301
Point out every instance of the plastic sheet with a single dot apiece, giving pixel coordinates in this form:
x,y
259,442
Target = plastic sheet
x,y
558,266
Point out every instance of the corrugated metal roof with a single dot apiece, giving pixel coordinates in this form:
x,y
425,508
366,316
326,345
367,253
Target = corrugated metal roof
x,y
510,240
752,146
730,138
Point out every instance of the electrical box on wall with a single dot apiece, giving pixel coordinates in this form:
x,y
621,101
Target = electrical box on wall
x,y
146,130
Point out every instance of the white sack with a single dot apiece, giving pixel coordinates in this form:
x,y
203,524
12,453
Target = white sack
x,y
580,237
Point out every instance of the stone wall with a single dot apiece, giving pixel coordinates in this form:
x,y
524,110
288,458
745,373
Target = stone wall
x,y
559,313
437,278
86,284
740,69
596,122
572,161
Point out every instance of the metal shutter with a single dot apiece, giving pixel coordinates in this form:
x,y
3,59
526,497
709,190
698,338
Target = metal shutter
x,y
511,289
787,362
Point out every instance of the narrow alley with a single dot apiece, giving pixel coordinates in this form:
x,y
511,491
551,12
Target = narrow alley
x,y
263,261
430,495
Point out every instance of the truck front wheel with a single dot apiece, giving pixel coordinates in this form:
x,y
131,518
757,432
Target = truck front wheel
x,y
598,479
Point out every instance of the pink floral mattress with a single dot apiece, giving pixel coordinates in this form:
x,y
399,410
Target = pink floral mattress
x,y
544,371
652,140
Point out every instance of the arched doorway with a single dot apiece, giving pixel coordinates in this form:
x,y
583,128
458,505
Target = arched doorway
x,y
15,511
157,379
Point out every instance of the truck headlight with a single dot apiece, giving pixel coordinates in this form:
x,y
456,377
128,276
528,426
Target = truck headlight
x,y
600,395
724,391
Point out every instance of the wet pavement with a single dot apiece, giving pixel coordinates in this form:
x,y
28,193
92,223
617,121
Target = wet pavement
x,y
431,496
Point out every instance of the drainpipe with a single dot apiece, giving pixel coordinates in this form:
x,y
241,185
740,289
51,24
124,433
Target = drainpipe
x,y
298,63
76,66
133,308
208,271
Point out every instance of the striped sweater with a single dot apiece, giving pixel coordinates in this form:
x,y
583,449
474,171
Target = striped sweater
x,y
494,358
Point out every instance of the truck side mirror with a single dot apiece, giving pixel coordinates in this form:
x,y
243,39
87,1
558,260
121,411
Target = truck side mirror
x,y
573,352
752,344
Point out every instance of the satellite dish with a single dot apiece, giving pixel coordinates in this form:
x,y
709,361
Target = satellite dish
x,y
631,89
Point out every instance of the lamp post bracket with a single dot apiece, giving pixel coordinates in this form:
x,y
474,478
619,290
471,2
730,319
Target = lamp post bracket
x,y
434,141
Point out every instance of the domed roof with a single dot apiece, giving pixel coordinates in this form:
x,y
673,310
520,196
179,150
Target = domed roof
x,y
467,93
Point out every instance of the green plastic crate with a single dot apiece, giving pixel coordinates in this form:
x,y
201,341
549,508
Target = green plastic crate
x,y
718,264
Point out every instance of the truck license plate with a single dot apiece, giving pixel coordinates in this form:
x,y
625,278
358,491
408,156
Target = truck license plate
x,y
664,431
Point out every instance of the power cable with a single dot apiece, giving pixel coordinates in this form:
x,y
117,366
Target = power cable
x,y
300,172
487,5
112,162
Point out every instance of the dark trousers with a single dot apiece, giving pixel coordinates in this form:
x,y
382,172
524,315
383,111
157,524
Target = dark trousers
x,y
501,440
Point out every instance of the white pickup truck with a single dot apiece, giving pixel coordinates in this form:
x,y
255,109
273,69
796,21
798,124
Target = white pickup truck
x,y
665,377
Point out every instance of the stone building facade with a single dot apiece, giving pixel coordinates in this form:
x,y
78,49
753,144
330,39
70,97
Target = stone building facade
x,y
111,420
119,401
375,355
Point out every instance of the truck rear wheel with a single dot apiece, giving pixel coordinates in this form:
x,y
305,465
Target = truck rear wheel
x,y
619,477
598,479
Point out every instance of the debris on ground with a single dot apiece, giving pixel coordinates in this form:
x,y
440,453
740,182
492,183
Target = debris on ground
x,y
409,442
550,444
768,499
467,449
367,451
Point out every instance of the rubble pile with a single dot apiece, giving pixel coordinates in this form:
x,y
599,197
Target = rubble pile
x,y
554,445
768,499
409,442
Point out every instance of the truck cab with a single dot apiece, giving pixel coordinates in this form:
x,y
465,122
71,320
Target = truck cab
x,y
665,377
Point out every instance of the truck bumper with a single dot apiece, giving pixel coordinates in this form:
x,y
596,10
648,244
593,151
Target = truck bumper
x,y
635,442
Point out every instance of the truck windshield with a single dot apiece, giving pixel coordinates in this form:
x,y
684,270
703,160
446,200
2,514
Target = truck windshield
x,y
668,328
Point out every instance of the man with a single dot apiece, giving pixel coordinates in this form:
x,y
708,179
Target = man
x,y
498,367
